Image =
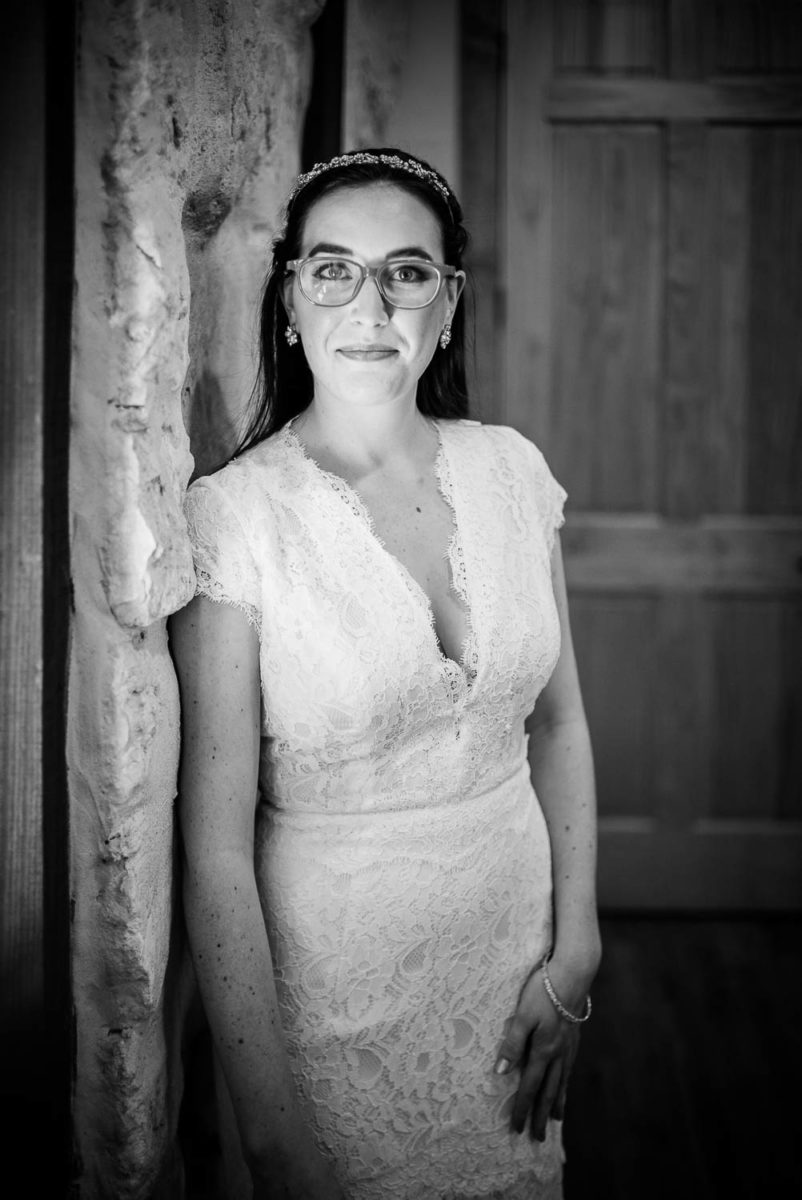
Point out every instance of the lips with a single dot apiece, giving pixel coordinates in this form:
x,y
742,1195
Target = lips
x,y
367,353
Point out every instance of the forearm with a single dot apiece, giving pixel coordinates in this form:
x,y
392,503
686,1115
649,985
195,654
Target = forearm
x,y
234,970
562,774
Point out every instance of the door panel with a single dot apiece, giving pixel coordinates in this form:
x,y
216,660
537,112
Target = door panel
x,y
605,346
621,628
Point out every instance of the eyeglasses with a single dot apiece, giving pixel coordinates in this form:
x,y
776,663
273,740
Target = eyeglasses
x,y
402,282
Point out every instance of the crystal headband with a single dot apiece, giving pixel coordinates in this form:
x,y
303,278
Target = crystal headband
x,y
361,157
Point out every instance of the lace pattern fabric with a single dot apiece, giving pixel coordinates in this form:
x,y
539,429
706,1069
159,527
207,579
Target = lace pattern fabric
x,y
401,854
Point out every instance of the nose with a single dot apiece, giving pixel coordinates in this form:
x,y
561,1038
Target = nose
x,y
368,305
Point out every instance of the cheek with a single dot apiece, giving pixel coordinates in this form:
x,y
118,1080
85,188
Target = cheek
x,y
314,327
424,325
429,331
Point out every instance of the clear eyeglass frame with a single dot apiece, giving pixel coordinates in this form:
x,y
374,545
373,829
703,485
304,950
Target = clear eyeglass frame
x,y
442,270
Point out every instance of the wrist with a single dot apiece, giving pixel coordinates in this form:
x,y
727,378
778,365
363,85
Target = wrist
x,y
572,975
577,951
574,1015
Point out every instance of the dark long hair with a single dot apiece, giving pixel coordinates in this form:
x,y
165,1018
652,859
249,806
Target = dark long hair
x,y
284,385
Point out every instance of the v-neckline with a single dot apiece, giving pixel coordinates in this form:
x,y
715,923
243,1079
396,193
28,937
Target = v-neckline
x,y
464,666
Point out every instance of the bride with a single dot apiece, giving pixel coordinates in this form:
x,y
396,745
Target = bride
x,y
389,894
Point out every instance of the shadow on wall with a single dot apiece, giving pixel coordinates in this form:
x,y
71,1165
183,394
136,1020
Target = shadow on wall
x,y
211,245
211,428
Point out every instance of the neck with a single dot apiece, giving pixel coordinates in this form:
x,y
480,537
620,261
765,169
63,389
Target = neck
x,y
363,438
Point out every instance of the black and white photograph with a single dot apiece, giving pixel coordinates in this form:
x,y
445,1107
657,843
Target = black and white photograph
x,y
401,599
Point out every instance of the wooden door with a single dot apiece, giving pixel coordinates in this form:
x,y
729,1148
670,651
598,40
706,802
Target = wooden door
x,y
640,318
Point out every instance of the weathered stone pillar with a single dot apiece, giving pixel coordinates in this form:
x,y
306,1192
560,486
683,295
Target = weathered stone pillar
x,y
189,116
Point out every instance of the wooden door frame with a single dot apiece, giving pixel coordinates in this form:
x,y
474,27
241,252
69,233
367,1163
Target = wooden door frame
x,y
37,236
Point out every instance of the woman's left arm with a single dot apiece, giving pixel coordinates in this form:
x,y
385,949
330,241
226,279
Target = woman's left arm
x,y
562,774
540,1042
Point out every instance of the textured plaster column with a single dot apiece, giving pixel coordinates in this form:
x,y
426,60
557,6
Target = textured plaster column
x,y
188,127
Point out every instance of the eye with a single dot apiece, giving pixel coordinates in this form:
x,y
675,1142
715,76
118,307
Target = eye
x,y
409,272
332,270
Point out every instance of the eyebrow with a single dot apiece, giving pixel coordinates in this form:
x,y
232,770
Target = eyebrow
x,y
404,252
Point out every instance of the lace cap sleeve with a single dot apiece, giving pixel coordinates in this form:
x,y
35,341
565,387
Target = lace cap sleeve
x,y
550,497
224,566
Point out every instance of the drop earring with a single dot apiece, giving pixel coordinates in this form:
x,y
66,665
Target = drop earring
x,y
445,336
291,334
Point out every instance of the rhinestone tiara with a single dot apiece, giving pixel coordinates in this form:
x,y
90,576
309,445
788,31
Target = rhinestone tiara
x,y
364,156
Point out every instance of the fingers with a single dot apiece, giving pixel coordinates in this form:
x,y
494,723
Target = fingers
x,y
537,1092
545,1101
533,1074
513,1048
545,1065
558,1108
518,1049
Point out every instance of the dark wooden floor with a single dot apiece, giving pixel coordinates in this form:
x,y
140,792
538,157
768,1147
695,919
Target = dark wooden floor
x,y
688,1082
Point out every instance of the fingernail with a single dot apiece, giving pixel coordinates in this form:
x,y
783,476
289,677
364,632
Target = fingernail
x,y
502,1066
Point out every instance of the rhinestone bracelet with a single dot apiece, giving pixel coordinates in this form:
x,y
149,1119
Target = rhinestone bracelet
x,y
561,1009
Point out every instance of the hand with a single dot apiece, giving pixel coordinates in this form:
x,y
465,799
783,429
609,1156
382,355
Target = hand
x,y
543,1046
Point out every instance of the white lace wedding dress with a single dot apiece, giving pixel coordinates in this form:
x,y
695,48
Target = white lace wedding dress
x,y
402,856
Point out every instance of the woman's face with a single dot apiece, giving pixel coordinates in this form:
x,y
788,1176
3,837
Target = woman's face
x,y
368,352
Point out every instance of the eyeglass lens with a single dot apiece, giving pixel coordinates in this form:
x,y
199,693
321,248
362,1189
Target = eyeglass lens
x,y
333,281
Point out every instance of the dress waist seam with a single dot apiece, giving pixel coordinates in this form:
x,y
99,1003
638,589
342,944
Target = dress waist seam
x,y
458,805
